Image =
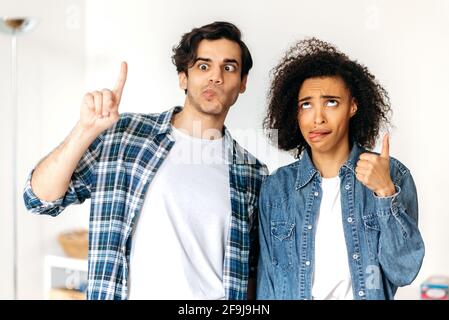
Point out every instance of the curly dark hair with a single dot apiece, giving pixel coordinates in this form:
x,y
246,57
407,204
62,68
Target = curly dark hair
x,y
312,58
184,54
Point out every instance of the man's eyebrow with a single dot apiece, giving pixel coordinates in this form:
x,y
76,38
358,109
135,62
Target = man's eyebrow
x,y
231,61
209,60
202,59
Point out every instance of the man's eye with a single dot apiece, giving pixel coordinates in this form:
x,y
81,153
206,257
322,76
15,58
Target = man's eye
x,y
305,105
203,66
332,103
230,68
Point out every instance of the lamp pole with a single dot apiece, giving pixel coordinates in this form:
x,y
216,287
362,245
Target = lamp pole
x,y
15,26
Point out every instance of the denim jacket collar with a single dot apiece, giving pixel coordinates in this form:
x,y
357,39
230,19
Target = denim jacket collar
x,y
307,170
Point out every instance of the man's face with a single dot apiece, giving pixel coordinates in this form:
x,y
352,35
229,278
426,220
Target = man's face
x,y
214,81
325,108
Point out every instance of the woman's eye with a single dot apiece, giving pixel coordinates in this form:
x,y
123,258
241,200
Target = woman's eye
x,y
332,103
203,66
230,68
305,105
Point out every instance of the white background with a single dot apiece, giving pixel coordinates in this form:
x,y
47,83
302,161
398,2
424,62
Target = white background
x,y
78,47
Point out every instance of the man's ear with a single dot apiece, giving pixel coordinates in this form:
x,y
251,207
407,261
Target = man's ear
x,y
182,76
243,83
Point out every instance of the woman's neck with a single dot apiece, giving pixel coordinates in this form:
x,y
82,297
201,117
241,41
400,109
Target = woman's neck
x,y
329,163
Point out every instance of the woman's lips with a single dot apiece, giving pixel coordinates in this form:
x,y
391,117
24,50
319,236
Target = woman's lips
x,y
318,135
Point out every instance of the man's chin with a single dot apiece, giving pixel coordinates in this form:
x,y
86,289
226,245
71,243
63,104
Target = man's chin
x,y
212,109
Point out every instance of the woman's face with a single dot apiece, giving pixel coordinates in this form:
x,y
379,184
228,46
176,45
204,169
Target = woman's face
x,y
325,108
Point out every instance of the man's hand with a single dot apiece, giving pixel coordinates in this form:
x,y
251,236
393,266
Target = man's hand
x,y
374,171
99,109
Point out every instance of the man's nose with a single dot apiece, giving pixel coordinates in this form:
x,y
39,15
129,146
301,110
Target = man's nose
x,y
216,76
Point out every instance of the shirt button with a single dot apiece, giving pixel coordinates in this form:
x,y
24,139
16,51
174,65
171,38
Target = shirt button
x,y
307,263
355,256
361,293
309,227
350,220
316,193
347,187
124,282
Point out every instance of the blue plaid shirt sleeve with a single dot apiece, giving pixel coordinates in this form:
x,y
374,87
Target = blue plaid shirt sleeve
x,y
79,188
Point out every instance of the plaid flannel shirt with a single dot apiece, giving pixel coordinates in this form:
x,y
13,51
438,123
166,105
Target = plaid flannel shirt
x,y
115,173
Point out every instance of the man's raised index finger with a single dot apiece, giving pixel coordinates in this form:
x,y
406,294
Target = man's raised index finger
x,y
118,89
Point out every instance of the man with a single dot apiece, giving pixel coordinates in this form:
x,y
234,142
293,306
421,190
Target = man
x,y
163,226
342,222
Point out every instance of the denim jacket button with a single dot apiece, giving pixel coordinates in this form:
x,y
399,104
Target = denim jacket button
x,y
361,293
355,256
309,227
347,187
307,263
350,220
316,193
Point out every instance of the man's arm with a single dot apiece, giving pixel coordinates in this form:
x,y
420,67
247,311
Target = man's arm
x,y
52,175
99,111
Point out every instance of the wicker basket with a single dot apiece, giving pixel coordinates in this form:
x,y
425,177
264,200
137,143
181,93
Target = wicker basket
x,y
66,294
75,243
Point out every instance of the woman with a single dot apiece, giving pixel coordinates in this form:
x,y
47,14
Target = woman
x,y
342,221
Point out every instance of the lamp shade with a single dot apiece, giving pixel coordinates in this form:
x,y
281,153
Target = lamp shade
x,y
17,25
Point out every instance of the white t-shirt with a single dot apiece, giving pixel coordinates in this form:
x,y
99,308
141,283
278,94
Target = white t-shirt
x,y
180,237
332,278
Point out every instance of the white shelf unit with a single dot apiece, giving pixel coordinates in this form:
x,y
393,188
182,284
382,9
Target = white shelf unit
x,y
64,273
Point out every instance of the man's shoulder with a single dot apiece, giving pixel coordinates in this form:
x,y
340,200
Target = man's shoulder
x,y
142,124
242,156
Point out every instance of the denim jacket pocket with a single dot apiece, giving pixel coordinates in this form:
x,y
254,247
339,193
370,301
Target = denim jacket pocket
x,y
283,237
372,233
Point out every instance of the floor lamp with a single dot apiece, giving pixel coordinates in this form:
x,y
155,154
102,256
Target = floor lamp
x,y
15,26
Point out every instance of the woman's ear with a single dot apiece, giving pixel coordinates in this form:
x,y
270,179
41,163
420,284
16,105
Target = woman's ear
x,y
353,107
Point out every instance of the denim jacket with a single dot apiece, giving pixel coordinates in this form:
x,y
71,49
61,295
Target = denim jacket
x,y
384,246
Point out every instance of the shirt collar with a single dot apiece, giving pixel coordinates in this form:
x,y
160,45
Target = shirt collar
x,y
234,154
306,169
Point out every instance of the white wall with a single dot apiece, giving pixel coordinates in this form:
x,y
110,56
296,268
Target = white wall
x,y
403,42
51,63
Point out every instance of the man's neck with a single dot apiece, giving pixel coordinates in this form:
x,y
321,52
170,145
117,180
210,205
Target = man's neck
x,y
329,163
199,125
